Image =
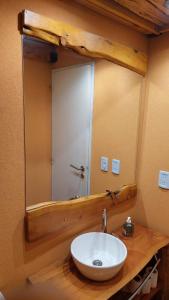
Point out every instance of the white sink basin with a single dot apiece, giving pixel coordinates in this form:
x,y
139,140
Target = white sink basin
x,y
99,256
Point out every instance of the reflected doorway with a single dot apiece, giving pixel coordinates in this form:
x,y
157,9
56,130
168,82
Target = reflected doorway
x,y
72,103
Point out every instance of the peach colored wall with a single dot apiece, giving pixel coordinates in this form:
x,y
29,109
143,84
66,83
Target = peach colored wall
x,y
153,202
15,261
115,124
37,109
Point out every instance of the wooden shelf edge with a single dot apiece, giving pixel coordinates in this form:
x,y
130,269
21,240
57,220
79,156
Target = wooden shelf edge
x,y
67,218
126,192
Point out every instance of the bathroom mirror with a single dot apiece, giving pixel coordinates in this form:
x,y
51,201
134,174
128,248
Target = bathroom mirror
x,y
81,123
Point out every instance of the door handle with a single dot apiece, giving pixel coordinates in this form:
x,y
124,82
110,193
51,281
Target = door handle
x,y
82,168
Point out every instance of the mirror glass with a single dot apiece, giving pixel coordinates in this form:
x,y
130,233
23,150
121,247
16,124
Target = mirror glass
x,y
81,123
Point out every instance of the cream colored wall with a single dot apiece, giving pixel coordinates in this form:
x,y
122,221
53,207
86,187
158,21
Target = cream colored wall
x,y
115,124
37,110
153,202
16,261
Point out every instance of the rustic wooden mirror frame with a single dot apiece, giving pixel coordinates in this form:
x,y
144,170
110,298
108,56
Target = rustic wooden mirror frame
x,y
51,219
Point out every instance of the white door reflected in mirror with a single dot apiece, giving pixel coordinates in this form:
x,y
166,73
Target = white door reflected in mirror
x,y
72,102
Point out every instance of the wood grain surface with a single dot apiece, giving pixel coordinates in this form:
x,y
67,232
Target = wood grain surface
x,y
63,219
148,16
83,42
114,10
71,285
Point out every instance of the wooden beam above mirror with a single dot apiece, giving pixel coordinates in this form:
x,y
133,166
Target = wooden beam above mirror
x,y
85,43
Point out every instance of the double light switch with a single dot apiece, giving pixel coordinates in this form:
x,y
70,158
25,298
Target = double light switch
x,y
105,165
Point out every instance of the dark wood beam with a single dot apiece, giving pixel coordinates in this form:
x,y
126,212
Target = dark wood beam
x,y
115,11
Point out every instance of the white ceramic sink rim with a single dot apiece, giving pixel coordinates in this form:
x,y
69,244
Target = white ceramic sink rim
x,y
109,236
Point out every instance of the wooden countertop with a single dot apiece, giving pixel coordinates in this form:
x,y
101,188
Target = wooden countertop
x,y
71,285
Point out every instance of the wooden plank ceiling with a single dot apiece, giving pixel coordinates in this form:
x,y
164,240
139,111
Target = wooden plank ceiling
x,y
147,16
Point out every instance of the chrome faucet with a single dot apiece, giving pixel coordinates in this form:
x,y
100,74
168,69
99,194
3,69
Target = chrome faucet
x,y
104,220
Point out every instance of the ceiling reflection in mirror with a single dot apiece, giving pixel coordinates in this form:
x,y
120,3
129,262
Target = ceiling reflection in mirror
x,y
81,123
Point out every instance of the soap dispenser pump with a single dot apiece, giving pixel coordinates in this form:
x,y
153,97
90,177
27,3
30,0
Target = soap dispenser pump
x,y
128,227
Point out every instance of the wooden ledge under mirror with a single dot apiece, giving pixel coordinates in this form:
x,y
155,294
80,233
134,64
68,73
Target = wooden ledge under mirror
x,y
107,104
72,217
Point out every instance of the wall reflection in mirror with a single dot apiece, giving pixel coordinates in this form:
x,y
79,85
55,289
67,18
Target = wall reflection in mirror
x,y
77,110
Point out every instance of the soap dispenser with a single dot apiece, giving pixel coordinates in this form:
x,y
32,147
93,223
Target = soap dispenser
x,y
128,227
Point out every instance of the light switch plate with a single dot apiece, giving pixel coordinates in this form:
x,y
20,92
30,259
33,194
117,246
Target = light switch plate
x,y
163,180
116,166
104,164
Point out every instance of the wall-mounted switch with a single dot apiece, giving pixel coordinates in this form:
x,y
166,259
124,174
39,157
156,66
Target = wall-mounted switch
x,y
104,164
116,166
163,180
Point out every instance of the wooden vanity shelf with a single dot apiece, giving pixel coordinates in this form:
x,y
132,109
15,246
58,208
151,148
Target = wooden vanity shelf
x,y
136,294
153,293
71,285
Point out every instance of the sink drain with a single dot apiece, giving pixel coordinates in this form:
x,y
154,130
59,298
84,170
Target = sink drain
x,y
97,262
